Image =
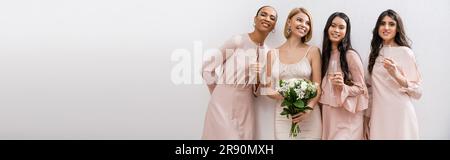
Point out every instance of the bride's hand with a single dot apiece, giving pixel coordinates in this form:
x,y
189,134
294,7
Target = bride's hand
x,y
278,96
275,95
300,116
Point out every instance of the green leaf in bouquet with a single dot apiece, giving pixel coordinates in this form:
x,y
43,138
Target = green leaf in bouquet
x,y
313,94
294,109
299,104
293,93
284,112
286,103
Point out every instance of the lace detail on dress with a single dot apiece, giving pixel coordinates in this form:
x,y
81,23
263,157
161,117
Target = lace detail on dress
x,y
301,69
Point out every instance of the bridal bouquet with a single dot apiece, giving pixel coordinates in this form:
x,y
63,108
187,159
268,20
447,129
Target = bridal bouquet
x,y
296,93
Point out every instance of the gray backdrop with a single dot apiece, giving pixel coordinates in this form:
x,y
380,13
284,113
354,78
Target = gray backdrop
x,y
102,69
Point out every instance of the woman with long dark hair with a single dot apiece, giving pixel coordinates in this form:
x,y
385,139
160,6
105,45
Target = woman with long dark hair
x,y
344,93
395,81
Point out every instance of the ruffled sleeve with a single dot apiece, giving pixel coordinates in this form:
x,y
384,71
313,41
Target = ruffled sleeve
x,y
409,69
354,98
217,58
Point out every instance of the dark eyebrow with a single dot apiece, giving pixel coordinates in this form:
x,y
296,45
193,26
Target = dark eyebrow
x,y
270,15
306,19
301,18
387,21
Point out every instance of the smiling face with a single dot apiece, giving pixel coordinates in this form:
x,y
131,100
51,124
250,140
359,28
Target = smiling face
x,y
299,25
387,29
337,30
265,19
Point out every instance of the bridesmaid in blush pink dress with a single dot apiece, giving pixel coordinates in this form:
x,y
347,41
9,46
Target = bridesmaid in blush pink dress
x,y
230,113
395,81
344,93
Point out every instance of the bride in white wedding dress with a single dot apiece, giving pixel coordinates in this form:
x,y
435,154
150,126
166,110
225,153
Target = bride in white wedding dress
x,y
293,59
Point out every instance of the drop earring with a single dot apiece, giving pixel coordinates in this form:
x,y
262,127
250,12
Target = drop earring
x,y
289,30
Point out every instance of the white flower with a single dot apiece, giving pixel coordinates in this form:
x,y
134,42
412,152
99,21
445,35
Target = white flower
x,y
303,85
301,88
283,88
291,84
301,95
297,82
297,91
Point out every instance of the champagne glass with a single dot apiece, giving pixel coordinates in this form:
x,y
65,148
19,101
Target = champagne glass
x,y
255,66
333,70
387,51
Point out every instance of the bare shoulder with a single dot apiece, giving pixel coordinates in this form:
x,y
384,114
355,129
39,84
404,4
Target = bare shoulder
x,y
352,54
314,52
273,51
